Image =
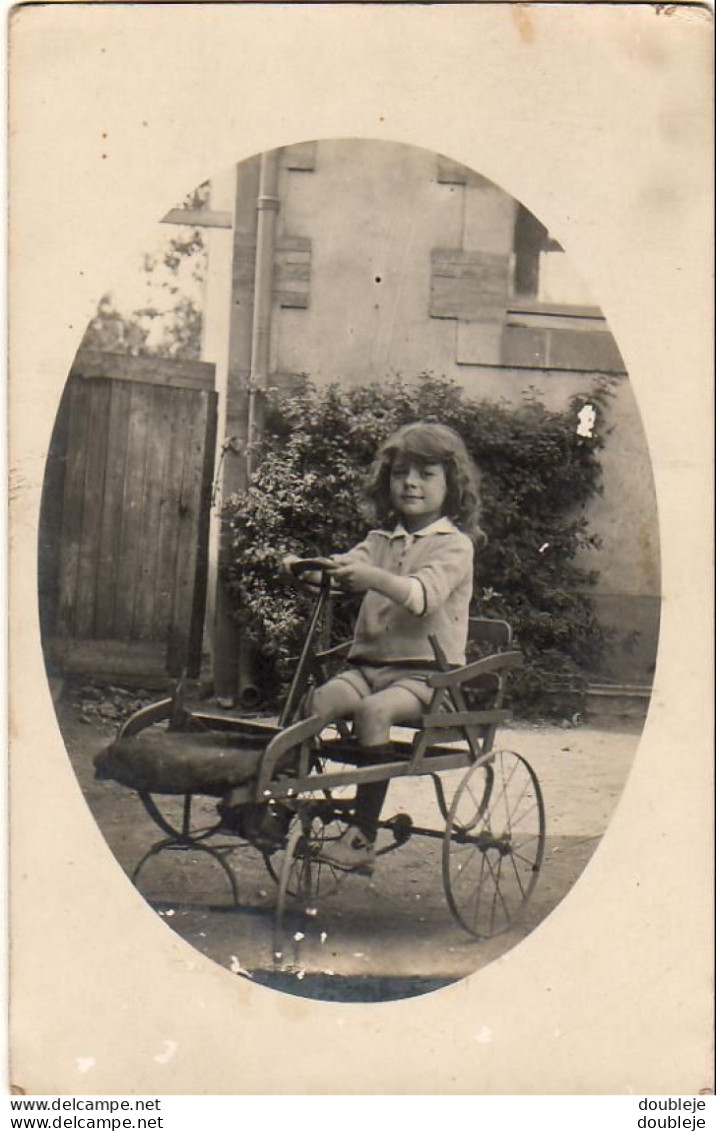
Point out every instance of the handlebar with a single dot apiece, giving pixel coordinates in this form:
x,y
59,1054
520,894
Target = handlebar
x,y
311,565
323,566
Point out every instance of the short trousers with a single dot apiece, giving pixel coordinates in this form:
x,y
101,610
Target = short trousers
x,y
367,679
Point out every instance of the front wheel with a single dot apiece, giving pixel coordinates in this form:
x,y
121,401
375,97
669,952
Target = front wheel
x,y
304,878
493,844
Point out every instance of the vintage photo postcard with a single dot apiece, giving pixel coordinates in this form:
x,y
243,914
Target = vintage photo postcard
x,y
360,545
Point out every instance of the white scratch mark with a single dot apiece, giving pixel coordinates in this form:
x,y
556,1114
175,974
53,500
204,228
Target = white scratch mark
x,y
84,1063
484,1036
324,936
543,547
312,912
587,418
170,1047
300,974
236,967
169,913
298,936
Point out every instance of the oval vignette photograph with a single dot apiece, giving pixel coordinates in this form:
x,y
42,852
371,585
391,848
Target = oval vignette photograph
x,y
349,570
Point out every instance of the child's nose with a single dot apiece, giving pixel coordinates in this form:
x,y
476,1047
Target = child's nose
x,y
411,475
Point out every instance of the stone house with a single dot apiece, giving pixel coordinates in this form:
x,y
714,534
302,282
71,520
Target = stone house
x,y
352,259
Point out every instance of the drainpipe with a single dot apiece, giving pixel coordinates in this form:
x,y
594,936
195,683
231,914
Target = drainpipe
x,y
267,206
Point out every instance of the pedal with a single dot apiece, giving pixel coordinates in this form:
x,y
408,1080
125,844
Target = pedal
x,y
401,826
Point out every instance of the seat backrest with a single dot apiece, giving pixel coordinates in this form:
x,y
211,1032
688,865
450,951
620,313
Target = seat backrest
x,y
495,633
485,637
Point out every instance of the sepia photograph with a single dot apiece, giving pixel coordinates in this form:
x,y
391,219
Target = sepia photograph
x,y
348,570
359,539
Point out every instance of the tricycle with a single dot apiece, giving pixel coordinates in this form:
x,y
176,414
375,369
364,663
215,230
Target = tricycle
x,y
280,785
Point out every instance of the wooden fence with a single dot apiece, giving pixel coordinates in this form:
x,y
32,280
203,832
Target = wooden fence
x,y
125,521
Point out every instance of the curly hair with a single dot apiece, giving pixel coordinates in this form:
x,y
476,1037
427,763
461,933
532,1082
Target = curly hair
x,y
427,443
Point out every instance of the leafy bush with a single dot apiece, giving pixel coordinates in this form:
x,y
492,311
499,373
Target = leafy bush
x,y
537,473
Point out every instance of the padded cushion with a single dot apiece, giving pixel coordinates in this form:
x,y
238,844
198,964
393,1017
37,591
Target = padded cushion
x,y
161,761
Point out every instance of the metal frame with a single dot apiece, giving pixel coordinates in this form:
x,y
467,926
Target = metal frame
x,y
295,750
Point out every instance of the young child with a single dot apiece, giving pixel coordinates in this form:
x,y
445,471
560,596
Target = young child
x,y
416,571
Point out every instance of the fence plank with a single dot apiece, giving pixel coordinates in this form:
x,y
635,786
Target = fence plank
x,y
79,400
187,544
132,496
112,514
146,625
94,493
146,370
167,534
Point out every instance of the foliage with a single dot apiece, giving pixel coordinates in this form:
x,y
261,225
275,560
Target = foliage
x,y
169,323
115,332
537,474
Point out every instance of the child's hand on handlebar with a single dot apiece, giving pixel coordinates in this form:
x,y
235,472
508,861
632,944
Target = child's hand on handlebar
x,y
308,570
287,562
356,577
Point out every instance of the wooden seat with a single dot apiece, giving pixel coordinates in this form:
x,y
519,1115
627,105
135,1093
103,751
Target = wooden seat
x,y
467,703
466,706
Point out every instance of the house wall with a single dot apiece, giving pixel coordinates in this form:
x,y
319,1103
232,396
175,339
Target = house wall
x,y
391,259
372,213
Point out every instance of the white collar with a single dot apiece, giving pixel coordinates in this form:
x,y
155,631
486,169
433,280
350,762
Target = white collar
x,y
442,525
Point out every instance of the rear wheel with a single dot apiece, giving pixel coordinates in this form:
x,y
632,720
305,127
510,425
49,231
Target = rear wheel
x,y
493,844
183,837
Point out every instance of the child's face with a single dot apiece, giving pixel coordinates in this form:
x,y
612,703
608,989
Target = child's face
x,y
417,491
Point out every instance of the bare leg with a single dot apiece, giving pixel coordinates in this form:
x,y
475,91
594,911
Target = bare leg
x,y
375,715
334,700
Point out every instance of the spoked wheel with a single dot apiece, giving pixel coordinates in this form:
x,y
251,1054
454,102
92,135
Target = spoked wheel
x,y
493,844
304,878
333,828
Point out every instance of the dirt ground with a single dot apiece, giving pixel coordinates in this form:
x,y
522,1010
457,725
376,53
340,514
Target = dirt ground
x,y
373,939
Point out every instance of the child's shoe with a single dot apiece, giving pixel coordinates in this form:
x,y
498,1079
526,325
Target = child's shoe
x,y
352,852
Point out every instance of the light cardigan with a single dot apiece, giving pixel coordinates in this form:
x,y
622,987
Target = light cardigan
x,y
440,558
